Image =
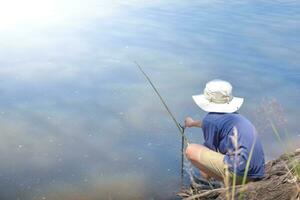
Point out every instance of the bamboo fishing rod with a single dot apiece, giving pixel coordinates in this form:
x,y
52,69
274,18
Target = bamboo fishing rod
x,y
184,140
180,128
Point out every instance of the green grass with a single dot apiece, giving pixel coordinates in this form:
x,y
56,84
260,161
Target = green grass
x,y
241,195
295,169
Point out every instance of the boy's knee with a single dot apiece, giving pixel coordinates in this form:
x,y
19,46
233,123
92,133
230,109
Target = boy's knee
x,y
193,151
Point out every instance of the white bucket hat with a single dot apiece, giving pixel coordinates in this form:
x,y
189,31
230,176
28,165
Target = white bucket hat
x,y
218,97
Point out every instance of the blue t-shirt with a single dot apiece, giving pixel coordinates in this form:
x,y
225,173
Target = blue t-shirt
x,y
219,135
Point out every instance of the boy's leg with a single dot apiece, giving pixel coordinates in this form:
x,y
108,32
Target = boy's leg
x,y
205,173
209,162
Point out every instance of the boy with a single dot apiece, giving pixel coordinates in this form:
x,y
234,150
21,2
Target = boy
x,y
228,137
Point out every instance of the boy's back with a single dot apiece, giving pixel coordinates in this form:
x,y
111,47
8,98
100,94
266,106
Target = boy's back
x,y
232,134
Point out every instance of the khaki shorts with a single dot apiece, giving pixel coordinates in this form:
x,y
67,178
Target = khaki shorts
x,y
213,161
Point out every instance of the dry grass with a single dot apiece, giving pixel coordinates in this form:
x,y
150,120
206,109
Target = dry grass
x,y
272,114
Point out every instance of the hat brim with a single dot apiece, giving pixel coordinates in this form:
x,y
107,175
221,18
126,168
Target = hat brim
x,y
234,105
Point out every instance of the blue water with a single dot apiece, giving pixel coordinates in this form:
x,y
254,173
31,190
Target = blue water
x,y
79,121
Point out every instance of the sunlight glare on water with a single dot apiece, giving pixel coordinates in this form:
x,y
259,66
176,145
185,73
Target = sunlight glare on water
x,y
79,121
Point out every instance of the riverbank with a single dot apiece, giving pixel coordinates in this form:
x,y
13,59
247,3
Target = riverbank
x,y
281,181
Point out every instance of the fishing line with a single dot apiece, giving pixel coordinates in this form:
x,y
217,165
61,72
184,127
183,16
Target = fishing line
x,y
180,128
184,140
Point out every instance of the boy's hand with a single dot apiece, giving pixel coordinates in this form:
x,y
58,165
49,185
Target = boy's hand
x,y
189,122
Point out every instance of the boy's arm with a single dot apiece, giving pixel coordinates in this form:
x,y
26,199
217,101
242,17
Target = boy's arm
x,y
189,122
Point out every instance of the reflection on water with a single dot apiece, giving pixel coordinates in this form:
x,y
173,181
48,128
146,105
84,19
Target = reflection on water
x,y
78,121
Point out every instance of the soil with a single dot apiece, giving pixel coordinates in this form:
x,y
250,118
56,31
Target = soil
x,y
281,182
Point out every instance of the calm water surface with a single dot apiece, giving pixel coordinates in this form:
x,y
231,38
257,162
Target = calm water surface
x,y
79,121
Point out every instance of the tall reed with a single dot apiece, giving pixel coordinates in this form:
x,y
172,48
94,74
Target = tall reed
x,y
241,195
234,139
